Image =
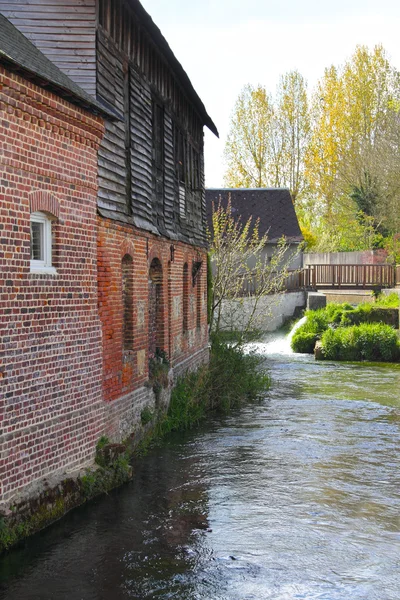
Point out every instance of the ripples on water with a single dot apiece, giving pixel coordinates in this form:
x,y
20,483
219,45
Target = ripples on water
x,y
296,496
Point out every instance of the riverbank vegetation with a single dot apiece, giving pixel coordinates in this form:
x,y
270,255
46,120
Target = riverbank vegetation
x,y
368,341
231,378
366,332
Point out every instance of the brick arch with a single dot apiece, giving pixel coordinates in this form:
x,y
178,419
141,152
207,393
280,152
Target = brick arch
x,y
40,200
156,253
127,248
127,301
156,308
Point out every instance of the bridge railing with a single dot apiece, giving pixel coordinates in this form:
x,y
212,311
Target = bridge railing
x,y
349,276
336,276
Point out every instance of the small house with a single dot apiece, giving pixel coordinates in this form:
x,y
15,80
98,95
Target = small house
x,y
272,207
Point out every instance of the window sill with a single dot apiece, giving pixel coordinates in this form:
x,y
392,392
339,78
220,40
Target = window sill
x,y
43,271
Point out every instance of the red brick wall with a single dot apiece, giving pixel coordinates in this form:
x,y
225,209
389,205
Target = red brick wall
x,y
122,373
51,412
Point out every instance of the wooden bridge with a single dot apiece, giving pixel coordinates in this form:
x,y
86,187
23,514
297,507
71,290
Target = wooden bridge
x,y
367,277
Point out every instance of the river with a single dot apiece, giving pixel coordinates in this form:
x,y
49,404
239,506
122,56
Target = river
x,y
296,496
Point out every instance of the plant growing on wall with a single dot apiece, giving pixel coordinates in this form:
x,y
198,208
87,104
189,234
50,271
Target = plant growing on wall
x,y
243,274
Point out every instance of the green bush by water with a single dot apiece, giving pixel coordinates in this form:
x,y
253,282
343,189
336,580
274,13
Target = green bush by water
x,y
231,378
342,316
390,301
368,341
304,342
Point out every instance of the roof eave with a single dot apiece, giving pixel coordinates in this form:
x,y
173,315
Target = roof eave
x,y
56,88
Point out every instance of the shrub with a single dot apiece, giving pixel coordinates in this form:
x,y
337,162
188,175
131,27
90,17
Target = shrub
x,y
391,300
368,341
304,342
341,316
235,376
146,415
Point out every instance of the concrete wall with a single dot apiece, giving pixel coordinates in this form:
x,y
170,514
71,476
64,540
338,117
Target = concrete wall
x,y
270,314
366,257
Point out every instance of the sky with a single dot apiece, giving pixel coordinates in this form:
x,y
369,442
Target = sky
x,y
225,44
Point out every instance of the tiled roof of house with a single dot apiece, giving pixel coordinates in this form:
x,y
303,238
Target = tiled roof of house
x,y
273,206
19,54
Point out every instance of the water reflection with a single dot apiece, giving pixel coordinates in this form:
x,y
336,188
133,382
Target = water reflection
x,y
294,497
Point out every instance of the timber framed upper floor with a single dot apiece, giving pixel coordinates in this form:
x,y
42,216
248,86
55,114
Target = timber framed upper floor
x,y
151,167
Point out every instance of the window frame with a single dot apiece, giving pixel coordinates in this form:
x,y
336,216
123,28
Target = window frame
x,y
42,266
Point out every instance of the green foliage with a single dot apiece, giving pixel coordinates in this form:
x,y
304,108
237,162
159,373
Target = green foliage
x,y
310,239
368,341
103,479
392,245
146,415
235,376
389,301
304,342
103,441
341,315
158,371
188,403
11,534
231,378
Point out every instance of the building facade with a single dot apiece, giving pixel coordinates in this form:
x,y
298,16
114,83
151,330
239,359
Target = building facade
x,y
122,198
51,411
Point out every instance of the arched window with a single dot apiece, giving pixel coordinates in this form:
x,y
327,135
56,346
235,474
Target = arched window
x,y
185,297
198,301
156,308
127,302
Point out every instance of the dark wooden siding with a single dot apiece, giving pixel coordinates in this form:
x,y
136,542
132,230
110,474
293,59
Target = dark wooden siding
x,y
123,40
112,76
141,152
64,30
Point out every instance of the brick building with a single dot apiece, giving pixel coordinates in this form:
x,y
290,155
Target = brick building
x,y
51,410
102,218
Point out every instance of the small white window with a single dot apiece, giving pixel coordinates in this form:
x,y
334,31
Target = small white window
x,y
41,241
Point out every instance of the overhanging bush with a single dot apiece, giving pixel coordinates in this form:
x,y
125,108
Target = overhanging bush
x,y
368,341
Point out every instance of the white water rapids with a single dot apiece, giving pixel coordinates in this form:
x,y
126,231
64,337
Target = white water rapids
x,y
277,344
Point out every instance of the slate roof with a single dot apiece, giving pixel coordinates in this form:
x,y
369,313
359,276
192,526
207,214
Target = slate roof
x,y
17,53
273,206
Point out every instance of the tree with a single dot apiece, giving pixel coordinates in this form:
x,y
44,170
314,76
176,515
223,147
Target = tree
x,y
242,272
293,130
325,152
354,154
268,138
247,147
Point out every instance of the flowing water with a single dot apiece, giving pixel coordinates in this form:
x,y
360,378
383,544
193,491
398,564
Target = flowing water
x,y
296,496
